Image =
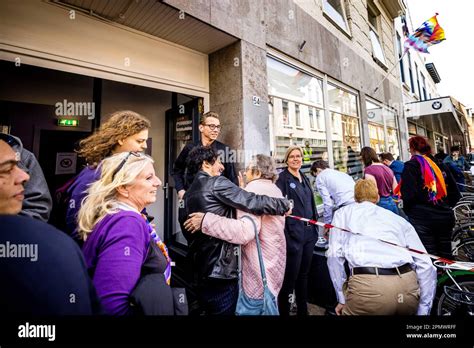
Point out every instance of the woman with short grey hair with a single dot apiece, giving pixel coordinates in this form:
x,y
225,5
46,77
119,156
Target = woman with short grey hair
x,y
263,167
260,176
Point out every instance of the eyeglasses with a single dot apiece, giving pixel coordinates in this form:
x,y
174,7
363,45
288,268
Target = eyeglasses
x,y
134,153
213,126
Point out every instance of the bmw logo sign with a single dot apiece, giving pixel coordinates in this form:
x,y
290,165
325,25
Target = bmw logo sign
x,y
436,105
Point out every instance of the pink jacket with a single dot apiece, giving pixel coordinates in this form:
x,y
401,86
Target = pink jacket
x,y
241,231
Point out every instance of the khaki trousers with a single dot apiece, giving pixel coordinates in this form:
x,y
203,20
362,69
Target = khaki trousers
x,y
370,294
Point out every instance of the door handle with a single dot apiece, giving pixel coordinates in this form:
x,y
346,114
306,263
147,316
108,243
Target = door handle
x,y
165,188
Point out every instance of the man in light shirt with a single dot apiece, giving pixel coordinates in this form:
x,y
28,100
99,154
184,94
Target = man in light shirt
x,y
384,279
336,188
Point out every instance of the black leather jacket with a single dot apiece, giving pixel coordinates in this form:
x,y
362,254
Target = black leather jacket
x,y
212,257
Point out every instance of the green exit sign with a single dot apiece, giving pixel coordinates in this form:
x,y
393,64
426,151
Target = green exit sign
x,y
64,122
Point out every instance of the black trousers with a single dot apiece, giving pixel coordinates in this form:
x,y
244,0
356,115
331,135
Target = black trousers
x,y
298,265
434,227
219,296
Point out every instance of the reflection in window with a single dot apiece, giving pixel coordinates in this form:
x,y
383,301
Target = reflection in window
x,y
285,114
346,144
297,104
373,13
411,128
379,116
377,50
342,101
289,83
335,10
320,123
297,115
421,131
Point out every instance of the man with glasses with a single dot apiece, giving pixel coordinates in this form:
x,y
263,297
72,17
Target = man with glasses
x,y
209,127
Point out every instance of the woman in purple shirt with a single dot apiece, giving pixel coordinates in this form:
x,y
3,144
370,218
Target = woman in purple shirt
x,y
124,131
382,176
120,245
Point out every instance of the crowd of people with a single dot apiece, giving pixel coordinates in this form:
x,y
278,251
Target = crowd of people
x,y
105,256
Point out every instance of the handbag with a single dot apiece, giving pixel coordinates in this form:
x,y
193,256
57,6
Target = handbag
x,y
251,306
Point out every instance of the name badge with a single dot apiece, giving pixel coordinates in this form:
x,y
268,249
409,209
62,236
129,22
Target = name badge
x,y
292,185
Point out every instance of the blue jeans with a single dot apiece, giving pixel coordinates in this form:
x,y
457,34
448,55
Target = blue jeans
x,y
388,203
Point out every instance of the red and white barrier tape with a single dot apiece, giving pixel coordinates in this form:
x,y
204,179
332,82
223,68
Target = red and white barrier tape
x,y
466,266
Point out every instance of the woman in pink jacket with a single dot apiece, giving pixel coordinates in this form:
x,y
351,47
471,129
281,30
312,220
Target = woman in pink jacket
x,y
260,177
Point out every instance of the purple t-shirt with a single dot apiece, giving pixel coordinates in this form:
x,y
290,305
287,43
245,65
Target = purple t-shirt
x,y
78,189
384,177
115,252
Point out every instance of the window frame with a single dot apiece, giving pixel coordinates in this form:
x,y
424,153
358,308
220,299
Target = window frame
x,y
334,21
417,72
375,12
384,124
402,65
410,72
323,108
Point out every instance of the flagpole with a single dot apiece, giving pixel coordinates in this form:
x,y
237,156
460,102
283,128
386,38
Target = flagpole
x,y
390,71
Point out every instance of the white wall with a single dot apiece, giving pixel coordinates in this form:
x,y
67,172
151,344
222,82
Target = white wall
x,y
43,34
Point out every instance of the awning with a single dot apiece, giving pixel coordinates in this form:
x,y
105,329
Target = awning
x,y
442,107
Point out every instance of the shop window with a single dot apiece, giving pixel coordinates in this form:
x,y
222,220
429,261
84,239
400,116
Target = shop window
x,y
301,98
383,129
421,131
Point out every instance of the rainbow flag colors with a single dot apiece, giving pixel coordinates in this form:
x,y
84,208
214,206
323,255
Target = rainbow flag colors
x,y
429,33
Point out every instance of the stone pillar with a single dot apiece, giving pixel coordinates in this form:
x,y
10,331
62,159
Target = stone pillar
x,y
237,73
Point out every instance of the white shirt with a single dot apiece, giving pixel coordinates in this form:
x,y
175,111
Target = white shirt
x,y
336,188
363,250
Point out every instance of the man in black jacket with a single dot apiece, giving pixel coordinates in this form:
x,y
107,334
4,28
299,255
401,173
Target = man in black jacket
x,y
210,127
214,261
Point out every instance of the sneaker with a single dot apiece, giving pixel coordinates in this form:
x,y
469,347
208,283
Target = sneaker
x,y
322,242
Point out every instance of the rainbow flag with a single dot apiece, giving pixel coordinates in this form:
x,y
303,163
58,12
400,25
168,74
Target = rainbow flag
x,y
429,33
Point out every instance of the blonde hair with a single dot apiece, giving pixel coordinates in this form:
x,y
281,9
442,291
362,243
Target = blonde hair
x,y
290,150
366,191
121,125
102,195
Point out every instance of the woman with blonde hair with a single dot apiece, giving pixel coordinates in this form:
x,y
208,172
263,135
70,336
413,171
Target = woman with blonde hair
x,y
260,176
120,245
124,131
300,236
